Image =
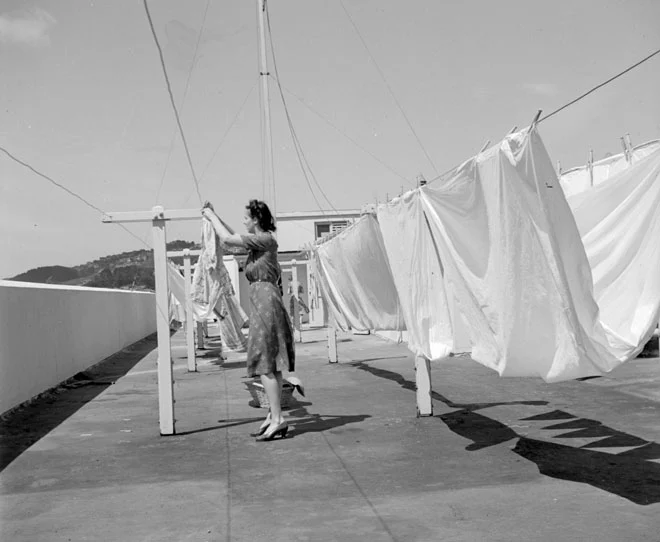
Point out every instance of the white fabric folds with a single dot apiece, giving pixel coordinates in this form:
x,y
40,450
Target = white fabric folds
x,y
498,235
210,279
355,279
418,276
619,221
231,315
512,252
579,179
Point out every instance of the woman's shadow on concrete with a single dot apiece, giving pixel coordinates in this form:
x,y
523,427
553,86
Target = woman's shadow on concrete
x,y
308,422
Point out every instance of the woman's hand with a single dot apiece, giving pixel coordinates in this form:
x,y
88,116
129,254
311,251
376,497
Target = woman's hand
x,y
207,212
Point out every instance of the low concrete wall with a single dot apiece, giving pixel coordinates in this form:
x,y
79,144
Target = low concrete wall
x,y
49,333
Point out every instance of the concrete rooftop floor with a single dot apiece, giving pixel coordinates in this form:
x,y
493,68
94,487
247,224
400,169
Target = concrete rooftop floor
x,y
500,460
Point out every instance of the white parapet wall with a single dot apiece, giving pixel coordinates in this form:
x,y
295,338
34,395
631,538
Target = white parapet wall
x,y
48,333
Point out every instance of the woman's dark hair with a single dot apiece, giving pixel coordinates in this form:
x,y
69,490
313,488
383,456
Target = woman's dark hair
x,y
261,213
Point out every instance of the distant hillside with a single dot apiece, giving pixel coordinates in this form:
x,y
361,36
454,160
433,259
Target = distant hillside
x,y
51,274
128,270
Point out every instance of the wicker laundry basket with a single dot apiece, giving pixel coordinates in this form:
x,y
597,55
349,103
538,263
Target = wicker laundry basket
x,y
258,393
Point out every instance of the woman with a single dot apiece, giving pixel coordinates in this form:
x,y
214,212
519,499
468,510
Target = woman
x,y
270,339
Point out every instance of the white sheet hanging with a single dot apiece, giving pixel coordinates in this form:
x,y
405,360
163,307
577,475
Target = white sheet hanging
x,y
619,221
579,179
356,281
418,276
513,255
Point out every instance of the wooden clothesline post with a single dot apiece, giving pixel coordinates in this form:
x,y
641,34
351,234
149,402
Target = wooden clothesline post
x,y
333,354
189,324
159,218
295,304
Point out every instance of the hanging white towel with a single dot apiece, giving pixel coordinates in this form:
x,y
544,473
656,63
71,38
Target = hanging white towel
x,y
211,278
355,278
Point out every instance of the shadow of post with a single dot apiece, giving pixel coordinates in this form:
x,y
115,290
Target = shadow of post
x,y
630,474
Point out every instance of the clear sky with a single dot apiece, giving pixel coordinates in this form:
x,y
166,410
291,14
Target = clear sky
x,y
84,101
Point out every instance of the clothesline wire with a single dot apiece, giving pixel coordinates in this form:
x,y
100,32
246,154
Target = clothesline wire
x,y
645,59
389,88
584,95
302,159
70,192
224,137
327,121
99,210
599,86
171,95
183,99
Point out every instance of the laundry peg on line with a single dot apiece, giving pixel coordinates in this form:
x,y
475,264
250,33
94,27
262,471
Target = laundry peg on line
x,y
590,165
512,130
536,118
558,167
630,146
625,149
485,146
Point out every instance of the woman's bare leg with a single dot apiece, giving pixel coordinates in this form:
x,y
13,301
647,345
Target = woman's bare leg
x,y
272,384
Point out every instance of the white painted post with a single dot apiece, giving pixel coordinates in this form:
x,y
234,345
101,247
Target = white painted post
x,y
333,356
422,364
190,322
165,375
159,218
423,382
296,306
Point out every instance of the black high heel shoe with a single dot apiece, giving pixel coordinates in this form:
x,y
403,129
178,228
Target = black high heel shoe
x,y
280,429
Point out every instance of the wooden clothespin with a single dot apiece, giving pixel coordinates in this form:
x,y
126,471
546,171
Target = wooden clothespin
x,y
590,165
485,146
536,119
625,149
630,147
512,130
558,167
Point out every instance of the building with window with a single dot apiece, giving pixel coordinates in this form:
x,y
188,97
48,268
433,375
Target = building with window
x,y
296,232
